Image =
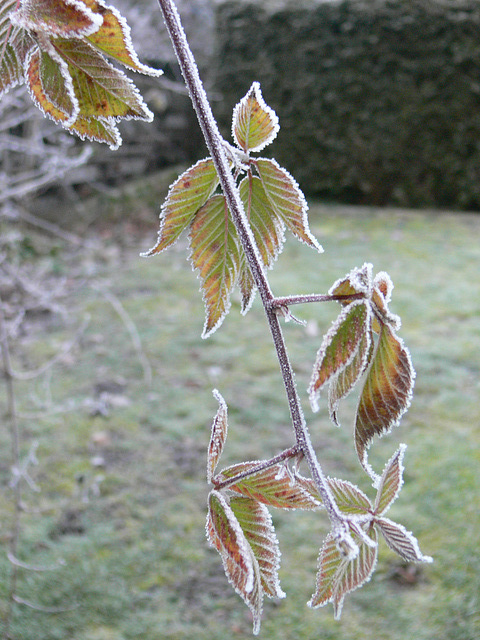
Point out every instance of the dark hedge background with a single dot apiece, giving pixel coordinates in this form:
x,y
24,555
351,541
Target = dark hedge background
x,y
379,100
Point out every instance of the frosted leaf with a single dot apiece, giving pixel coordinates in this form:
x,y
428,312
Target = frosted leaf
x,y
218,435
401,541
255,125
390,482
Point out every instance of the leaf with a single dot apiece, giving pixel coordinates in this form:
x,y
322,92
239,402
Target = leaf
x,y
32,70
240,565
357,281
274,486
401,541
257,526
214,252
246,285
286,200
100,88
57,85
339,347
337,576
113,38
218,435
97,130
349,498
386,393
390,482
15,44
67,18
254,125
267,229
345,380
381,296
185,197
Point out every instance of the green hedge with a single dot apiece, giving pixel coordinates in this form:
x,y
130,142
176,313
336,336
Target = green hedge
x,y
379,100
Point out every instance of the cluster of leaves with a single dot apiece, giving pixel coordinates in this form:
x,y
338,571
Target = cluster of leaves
x,y
363,342
272,201
239,525
59,48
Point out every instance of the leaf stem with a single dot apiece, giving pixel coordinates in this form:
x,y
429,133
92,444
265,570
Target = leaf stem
x,y
220,483
217,148
286,301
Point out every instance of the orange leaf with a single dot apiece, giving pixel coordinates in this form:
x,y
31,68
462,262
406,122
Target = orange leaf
x,y
67,18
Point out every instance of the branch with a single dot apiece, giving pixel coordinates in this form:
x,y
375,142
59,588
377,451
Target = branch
x,y
217,148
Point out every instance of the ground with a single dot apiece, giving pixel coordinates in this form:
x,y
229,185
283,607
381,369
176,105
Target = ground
x,y
122,421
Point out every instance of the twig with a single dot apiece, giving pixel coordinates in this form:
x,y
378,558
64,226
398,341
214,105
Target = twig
x,y
131,328
216,147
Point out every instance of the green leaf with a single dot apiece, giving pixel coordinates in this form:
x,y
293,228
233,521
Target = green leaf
x,y
255,125
57,86
349,498
267,229
15,44
386,393
401,541
357,281
340,346
32,71
114,40
256,524
100,130
345,380
67,18
186,196
218,435
214,252
274,486
246,285
286,200
337,575
390,482
101,89
240,565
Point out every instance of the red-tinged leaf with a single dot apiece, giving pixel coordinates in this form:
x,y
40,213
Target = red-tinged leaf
x,y
274,486
401,541
337,575
218,435
254,124
186,196
246,285
390,482
349,498
357,281
15,44
340,346
214,252
57,84
344,381
67,18
114,40
386,393
32,70
266,227
101,90
98,131
286,200
381,296
256,524
240,565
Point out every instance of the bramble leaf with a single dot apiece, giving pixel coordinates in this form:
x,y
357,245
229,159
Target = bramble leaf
x,y
67,18
266,228
386,393
401,541
340,346
337,575
349,498
214,252
240,565
274,486
390,482
255,124
97,130
218,435
246,285
256,524
345,380
286,200
15,44
359,280
113,38
185,197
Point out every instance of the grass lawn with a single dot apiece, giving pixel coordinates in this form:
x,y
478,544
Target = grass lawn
x,y
121,463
